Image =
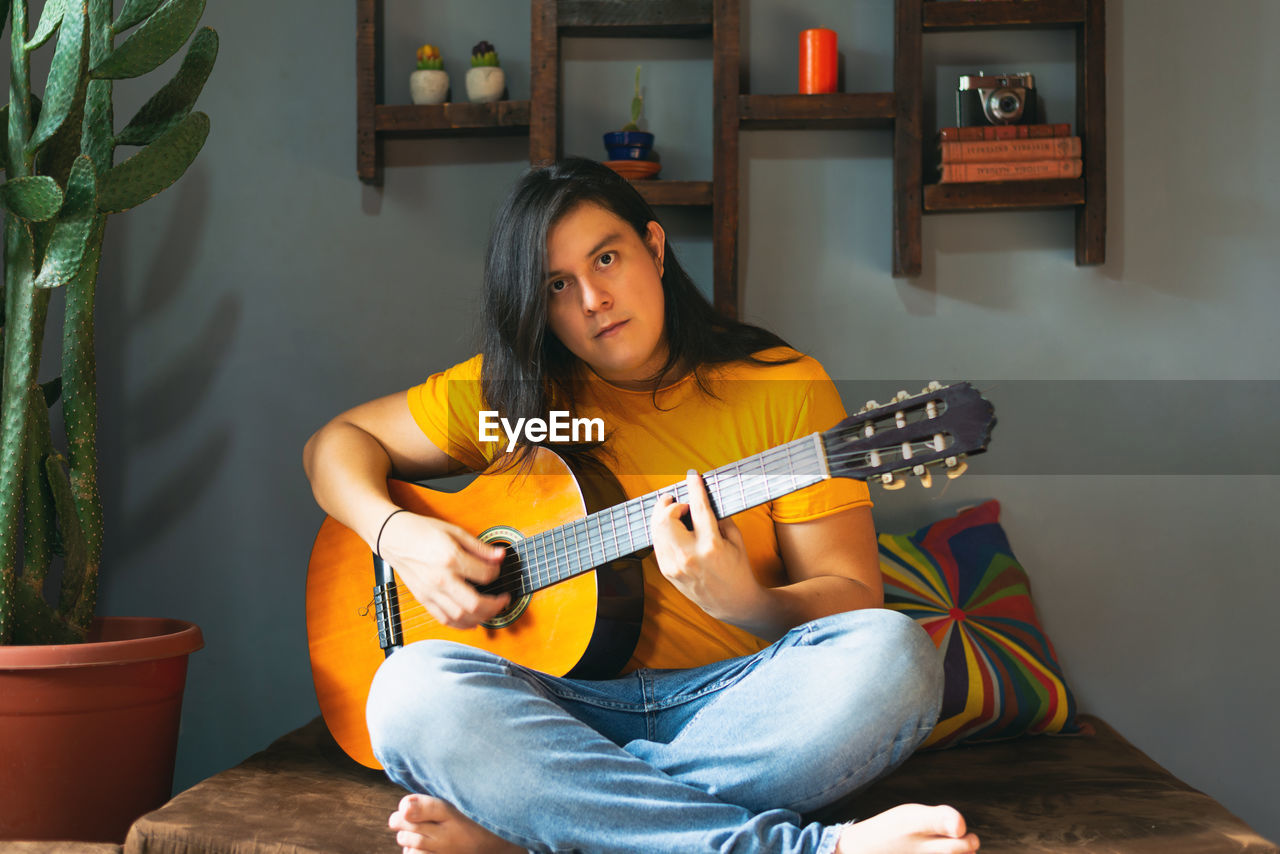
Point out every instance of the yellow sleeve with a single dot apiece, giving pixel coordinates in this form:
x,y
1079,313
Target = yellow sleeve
x,y
820,410
447,408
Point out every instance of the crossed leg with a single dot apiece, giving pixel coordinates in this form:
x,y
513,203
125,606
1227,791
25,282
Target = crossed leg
x,y
436,730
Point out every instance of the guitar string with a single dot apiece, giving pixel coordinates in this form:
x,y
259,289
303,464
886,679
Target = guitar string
x,y
539,572
575,551
417,615
537,567
516,583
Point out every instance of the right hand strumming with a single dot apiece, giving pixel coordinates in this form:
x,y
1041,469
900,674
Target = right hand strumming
x,y
440,563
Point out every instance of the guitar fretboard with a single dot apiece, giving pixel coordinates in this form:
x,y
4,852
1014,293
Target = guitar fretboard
x,y
568,550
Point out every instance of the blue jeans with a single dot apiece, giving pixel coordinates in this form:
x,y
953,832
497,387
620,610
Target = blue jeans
x,y
722,758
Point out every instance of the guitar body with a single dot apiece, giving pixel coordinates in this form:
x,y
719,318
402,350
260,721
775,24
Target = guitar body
x,y
585,626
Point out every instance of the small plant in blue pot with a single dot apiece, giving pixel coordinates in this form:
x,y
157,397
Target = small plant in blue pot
x,y
630,143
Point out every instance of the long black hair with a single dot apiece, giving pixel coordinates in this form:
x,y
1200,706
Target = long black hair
x,y
526,370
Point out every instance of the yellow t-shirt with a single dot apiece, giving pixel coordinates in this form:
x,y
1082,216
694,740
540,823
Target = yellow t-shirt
x,y
755,407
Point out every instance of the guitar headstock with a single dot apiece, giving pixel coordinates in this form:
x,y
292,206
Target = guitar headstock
x,y
937,427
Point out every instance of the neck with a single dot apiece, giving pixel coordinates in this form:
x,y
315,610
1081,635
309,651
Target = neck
x,y
657,379
552,556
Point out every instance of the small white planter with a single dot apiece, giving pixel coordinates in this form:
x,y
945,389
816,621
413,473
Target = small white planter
x,y
485,83
428,86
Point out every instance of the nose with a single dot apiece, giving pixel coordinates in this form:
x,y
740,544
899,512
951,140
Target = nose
x,y
595,297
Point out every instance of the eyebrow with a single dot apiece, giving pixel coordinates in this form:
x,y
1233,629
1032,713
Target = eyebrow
x,y
608,238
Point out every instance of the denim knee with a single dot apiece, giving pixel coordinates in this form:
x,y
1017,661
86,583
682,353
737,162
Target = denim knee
x,y
919,674
908,665
417,701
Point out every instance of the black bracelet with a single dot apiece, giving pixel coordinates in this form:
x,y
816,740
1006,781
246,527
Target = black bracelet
x,y
377,546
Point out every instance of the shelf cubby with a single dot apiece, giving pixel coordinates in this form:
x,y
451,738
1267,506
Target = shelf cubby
x,y
913,197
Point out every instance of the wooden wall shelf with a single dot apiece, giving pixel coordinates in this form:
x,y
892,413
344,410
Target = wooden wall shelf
x,y
815,112
1002,14
636,18
734,111
690,193
498,117
1005,195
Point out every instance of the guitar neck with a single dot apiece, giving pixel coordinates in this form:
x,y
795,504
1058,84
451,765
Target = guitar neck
x,y
568,550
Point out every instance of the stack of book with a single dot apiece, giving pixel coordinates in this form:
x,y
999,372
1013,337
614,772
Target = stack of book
x,y
1008,153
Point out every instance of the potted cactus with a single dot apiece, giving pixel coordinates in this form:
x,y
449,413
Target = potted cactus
x,y
486,81
79,763
429,84
630,143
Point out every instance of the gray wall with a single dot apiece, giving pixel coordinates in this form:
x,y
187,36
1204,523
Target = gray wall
x,y
269,290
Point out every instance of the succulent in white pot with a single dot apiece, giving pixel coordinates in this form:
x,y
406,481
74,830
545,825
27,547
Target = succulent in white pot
x,y
486,81
430,83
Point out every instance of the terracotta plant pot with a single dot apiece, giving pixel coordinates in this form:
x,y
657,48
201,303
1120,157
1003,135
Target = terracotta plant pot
x,y
89,732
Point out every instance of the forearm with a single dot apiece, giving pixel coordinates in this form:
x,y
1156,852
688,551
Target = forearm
x,y
348,470
774,611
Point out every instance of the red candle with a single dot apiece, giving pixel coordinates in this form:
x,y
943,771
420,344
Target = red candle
x,y
818,61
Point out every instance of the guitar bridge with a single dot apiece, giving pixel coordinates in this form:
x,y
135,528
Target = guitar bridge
x,y
386,607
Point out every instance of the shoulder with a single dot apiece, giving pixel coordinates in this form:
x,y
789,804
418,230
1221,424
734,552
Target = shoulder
x,y
468,369
777,363
783,380
455,386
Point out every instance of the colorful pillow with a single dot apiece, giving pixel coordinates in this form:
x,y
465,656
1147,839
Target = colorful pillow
x,y
958,579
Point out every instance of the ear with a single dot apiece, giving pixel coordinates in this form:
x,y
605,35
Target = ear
x,y
656,240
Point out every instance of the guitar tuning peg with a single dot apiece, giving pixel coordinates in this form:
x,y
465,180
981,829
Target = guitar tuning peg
x,y
870,405
902,395
890,483
933,385
926,477
955,468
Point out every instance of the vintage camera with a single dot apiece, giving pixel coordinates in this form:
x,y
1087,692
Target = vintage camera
x,y
996,99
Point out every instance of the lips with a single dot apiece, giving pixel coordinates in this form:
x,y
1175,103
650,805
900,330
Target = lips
x,y
610,329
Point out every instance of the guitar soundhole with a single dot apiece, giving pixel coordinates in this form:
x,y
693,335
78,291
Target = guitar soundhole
x,y
509,616
508,580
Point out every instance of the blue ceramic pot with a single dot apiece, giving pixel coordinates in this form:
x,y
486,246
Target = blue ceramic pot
x,y
628,144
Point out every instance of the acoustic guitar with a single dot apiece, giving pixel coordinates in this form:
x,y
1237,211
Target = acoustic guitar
x,y
572,564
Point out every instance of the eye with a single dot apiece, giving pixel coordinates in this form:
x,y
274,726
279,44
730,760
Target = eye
x,y
558,285
612,259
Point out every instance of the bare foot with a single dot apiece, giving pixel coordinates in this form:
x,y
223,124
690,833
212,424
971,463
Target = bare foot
x,y
424,823
909,828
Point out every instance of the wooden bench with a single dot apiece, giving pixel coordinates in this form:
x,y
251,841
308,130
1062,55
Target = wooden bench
x,y
1093,792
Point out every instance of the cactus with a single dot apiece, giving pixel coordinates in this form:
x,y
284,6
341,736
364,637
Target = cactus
x,y
483,54
637,105
429,58
61,181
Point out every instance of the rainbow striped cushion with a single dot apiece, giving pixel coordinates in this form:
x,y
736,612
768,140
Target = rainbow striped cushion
x,y
958,579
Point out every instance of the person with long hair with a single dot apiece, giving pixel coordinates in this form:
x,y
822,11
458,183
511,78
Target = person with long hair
x,y
768,679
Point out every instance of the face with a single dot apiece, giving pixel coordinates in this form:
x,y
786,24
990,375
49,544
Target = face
x,y
604,293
